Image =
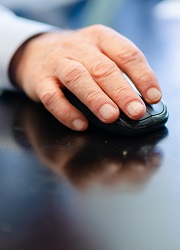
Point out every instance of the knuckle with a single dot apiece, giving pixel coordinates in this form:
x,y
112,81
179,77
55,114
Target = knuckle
x,y
49,98
98,27
51,102
147,77
129,54
73,74
63,114
103,69
99,31
121,94
92,97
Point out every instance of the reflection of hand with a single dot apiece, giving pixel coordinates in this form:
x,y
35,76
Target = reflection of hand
x,y
89,62
129,171
87,159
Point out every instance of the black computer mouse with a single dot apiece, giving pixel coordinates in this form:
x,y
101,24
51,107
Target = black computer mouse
x,y
155,117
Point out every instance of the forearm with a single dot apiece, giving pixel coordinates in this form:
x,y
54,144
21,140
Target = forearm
x,y
14,31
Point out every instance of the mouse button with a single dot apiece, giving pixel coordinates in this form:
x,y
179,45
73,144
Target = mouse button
x,y
127,120
155,109
136,125
146,115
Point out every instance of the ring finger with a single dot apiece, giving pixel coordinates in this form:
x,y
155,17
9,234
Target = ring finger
x,y
77,79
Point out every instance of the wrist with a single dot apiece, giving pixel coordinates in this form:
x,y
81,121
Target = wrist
x,y
17,63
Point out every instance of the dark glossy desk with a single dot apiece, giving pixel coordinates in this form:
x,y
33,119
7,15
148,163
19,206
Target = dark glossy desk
x,y
81,191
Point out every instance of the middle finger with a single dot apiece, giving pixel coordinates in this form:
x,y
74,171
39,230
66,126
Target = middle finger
x,y
111,80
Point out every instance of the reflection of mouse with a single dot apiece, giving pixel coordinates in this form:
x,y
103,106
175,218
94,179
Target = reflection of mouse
x,y
156,116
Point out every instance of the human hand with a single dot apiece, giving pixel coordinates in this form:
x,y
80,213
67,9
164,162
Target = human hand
x,y
89,62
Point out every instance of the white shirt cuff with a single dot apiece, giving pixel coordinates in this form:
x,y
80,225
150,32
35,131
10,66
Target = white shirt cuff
x,y
13,32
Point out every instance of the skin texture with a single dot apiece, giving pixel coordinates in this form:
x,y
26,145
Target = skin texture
x,y
89,62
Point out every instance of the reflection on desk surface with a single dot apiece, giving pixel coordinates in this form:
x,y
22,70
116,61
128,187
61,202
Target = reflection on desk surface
x,y
92,157
64,184
89,157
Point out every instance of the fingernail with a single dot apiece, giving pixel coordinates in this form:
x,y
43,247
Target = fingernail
x,y
153,94
78,124
107,111
134,108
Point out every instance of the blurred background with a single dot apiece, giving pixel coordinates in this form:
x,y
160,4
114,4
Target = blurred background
x,y
78,13
136,19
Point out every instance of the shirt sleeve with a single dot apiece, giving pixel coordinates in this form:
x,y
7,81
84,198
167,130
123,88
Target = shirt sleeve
x,y
13,32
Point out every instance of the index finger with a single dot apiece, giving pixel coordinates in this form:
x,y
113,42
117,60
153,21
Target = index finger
x,y
132,62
